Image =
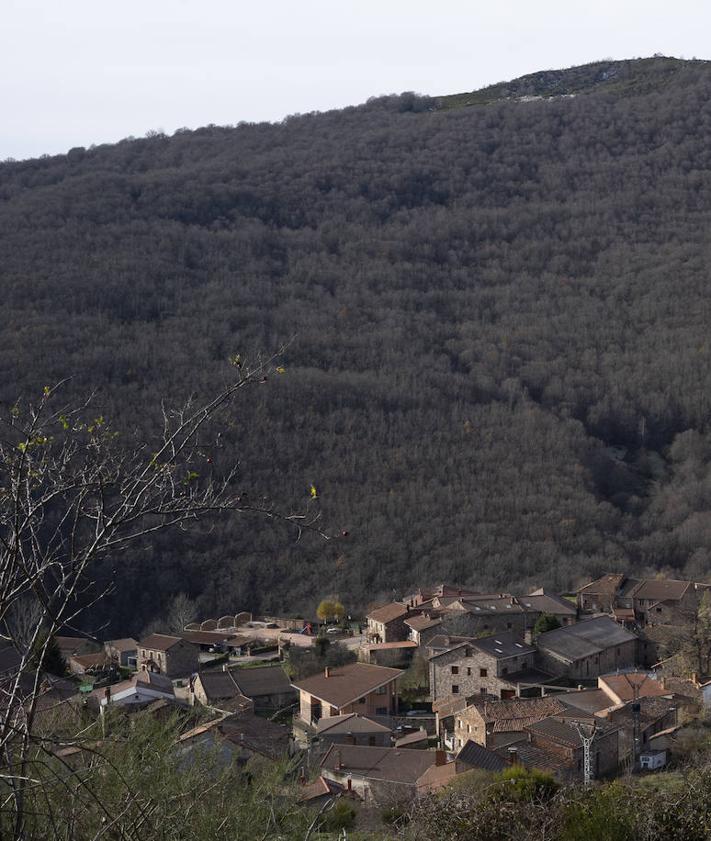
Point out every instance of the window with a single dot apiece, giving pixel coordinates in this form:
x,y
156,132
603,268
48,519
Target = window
x,y
469,672
371,740
509,625
469,728
483,672
505,670
361,700
381,690
483,690
659,610
455,689
455,670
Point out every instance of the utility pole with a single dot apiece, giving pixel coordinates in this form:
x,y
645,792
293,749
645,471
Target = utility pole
x,y
587,733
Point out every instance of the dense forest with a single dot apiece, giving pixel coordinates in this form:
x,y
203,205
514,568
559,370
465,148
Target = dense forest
x,y
497,315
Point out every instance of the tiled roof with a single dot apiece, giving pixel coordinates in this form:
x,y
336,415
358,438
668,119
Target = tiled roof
x,y
159,642
387,646
387,764
660,589
347,683
350,723
417,737
503,645
256,734
532,756
608,585
632,685
477,756
587,700
388,612
519,708
584,639
264,680
91,661
125,644
499,646
563,731
422,622
548,603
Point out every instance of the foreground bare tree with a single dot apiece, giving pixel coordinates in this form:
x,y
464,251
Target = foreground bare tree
x,y
73,493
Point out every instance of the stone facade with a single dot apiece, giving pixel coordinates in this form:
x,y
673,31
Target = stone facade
x,y
587,668
467,671
383,701
178,660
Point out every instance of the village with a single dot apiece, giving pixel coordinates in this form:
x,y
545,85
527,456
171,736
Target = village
x,y
585,686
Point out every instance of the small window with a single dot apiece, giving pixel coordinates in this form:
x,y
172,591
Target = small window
x,y
455,689
469,671
505,670
361,700
469,728
659,610
483,690
509,625
455,670
381,690
483,672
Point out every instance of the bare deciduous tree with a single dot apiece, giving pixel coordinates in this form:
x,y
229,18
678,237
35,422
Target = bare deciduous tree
x,y
73,493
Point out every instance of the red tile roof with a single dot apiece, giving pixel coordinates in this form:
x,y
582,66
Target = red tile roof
x,y
346,684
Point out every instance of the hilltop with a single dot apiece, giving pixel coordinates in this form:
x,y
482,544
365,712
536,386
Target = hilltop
x,y
634,76
499,368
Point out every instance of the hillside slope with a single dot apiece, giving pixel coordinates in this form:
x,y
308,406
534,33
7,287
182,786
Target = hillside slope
x,y
500,371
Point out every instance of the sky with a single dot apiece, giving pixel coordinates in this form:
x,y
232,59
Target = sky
x,y
75,73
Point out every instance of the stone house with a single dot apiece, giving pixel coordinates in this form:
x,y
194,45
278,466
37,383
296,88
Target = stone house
x,y
123,652
238,738
542,602
90,664
354,688
587,649
605,593
387,775
264,688
653,715
387,623
396,654
422,628
169,655
216,688
141,688
559,738
653,600
496,665
352,729
494,723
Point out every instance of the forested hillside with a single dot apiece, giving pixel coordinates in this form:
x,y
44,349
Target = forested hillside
x,y
500,365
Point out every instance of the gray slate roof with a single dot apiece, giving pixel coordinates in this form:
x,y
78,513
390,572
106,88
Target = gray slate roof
x,y
477,756
266,680
584,639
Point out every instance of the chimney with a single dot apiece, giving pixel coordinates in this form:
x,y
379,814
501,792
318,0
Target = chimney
x,y
440,757
339,760
327,672
695,678
664,683
224,667
513,756
107,694
349,783
580,687
528,636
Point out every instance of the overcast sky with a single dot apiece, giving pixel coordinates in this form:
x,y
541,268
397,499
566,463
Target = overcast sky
x,y
77,72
